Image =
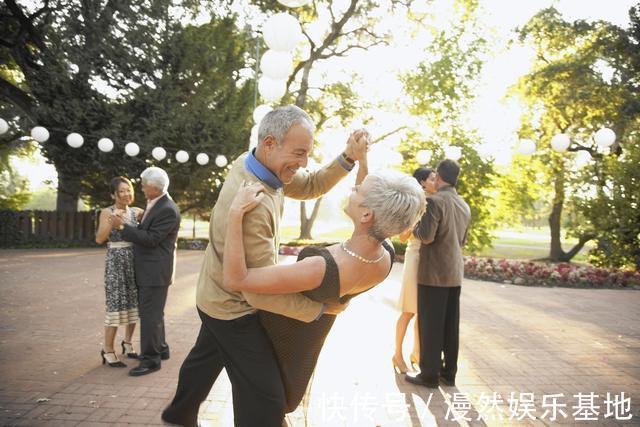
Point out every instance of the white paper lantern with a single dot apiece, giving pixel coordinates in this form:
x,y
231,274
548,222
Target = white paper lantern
x,y
560,142
423,156
4,126
277,65
282,32
260,112
271,90
294,3
221,161
485,151
132,149
40,134
182,156
159,153
453,152
75,140
605,137
527,147
253,140
105,145
202,159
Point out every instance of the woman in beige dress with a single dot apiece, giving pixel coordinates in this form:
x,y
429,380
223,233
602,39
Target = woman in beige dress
x,y
407,303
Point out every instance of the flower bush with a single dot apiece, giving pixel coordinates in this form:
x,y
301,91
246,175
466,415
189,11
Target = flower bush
x,y
531,273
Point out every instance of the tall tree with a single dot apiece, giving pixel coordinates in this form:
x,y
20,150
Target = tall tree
x,y
584,77
128,71
350,26
442,90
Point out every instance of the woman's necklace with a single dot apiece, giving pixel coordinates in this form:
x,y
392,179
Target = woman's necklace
x,y
343,245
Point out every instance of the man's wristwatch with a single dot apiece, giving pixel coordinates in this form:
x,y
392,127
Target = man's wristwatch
x,y
121,227
348,159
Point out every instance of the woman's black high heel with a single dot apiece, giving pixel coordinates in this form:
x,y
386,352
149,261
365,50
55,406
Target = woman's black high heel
x,y
127,348
116,364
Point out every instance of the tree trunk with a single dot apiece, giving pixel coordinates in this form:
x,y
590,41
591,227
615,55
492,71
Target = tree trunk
x,y
68,193
556,253
306,224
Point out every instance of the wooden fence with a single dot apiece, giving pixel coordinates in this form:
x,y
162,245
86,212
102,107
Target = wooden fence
x,y
55,226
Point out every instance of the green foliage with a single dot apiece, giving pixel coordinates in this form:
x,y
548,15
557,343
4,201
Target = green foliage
x,y
14,186
475,185
585,77
520,192
442,90
615,212
128,71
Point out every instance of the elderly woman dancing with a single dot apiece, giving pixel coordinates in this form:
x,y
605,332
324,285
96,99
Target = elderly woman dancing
x,y
382,206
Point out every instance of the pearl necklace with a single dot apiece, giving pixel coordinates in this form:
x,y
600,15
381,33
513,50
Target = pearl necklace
x,y
343,245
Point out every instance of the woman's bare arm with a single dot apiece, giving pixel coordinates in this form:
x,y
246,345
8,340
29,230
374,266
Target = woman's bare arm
x,y
104,226
276,279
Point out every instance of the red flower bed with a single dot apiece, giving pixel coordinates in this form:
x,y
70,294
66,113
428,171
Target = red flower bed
x,y
547,274
531,273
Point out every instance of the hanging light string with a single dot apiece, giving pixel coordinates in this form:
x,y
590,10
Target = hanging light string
x,y
76,140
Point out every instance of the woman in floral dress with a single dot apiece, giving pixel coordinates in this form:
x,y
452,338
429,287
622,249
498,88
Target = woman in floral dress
x,y
119,275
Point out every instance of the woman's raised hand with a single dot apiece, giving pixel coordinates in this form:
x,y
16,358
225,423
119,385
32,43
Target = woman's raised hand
x,y
248,197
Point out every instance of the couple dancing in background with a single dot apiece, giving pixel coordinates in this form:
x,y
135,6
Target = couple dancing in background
x,y
266,323
139,267
432,280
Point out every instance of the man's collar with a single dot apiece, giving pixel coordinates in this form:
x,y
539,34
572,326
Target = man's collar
x,y
157,198
447,187
253,165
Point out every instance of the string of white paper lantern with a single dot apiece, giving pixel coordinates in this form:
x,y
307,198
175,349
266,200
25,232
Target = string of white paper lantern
x,y
453,152
605,137
40,134
527,147
260,112
105,145
4,126
276,65
423,156
132,149
182,156
221,161
560,142
76,140
202,159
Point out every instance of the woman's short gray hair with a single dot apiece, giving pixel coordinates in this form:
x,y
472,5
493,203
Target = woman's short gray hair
x,y
397,202
278,121
156,177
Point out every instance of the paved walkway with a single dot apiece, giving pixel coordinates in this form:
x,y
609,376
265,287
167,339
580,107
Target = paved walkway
x,y
519,340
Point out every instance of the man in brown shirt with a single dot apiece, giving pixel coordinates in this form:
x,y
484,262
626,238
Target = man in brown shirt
x,y
443,231
231,336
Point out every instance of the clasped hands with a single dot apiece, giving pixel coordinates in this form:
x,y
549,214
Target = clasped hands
x,y
358,145
117,218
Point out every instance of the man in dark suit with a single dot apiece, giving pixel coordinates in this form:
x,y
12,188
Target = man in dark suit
x,y
154,255
443,231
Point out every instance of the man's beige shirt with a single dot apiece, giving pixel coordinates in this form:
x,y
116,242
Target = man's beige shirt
x,y
261,228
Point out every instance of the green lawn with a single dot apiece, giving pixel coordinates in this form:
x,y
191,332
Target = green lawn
x,y
521,243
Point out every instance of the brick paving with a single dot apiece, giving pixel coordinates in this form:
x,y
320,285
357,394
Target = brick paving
x,y
513,340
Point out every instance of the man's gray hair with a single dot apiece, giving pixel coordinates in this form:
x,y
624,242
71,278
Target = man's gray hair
x,y
156,177
278,121
397,202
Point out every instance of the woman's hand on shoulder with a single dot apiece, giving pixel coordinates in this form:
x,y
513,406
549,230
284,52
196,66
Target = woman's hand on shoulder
x,y
247,198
